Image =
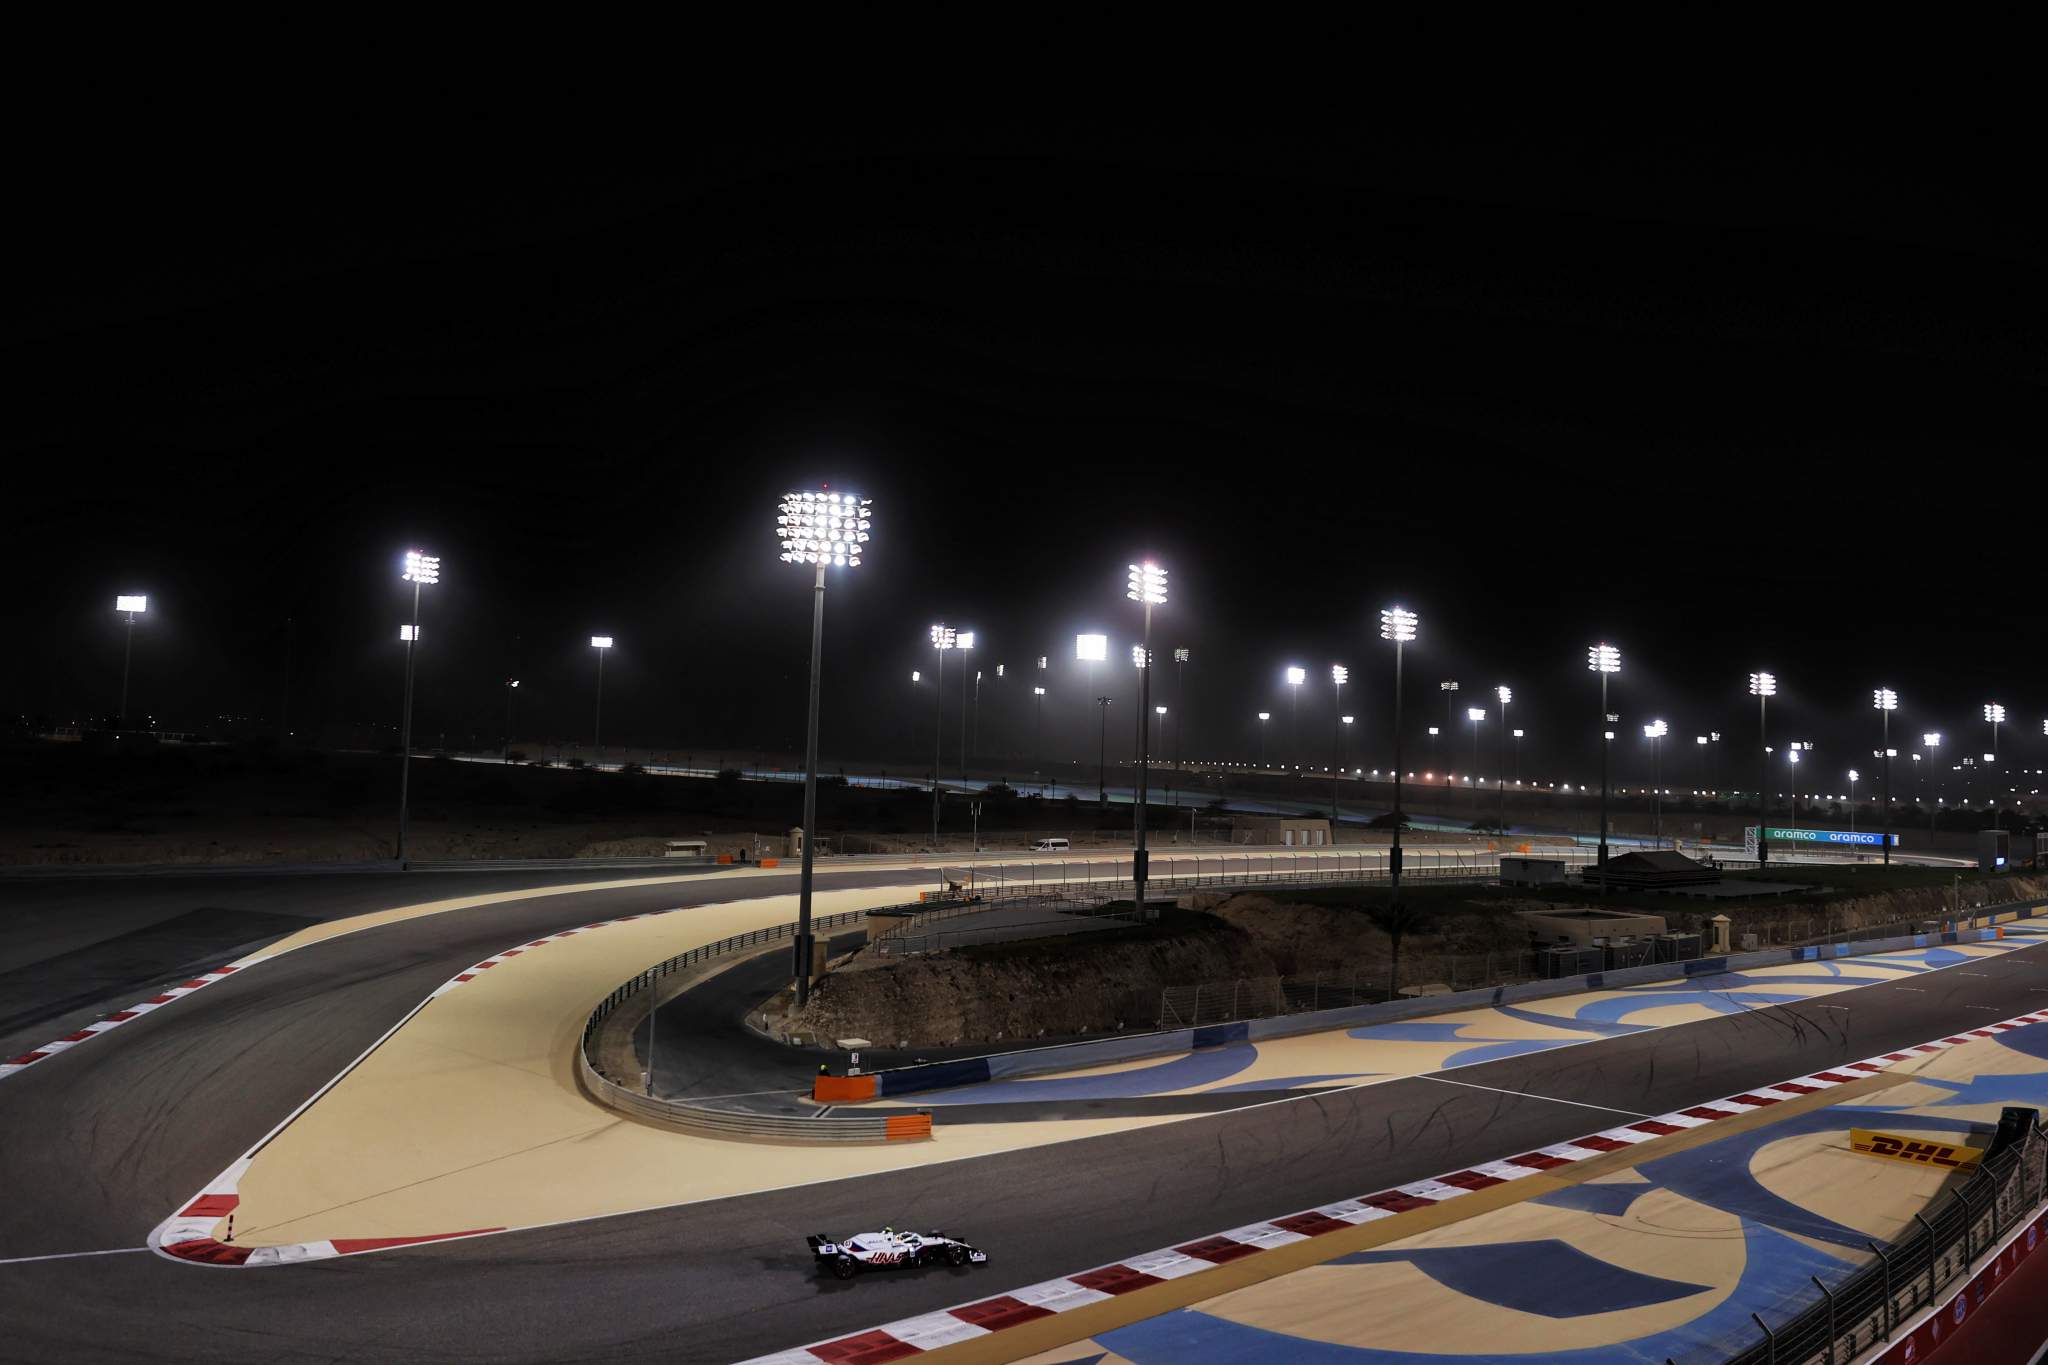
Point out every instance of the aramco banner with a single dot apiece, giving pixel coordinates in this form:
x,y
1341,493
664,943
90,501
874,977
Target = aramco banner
x,y
1848,837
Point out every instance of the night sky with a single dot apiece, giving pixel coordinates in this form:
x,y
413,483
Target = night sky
x,y
1727,407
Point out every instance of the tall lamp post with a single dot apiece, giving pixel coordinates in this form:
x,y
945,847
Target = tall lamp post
x,y
944,637
822,529
1339,675
130,606
1180,719
1762,686
1995,714
1264,716
420,571
1295,678
603,645
1038,730
511,695
1655,732
1853,776
1604,659
1505,695
1092,650
1931,741
1147,588
1397,624
1450,691
1432,757
1887,701
1518,770
1475,714
965,640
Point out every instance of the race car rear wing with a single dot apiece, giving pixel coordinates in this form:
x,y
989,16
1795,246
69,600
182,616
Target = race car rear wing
x,y
822,1246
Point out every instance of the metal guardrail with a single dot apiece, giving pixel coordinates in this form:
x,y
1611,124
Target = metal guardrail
x,y
1863,1310
721,1122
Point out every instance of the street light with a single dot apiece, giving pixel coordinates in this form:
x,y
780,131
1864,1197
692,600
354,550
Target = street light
x,y
1264,716
1147,587
421,570
1793,757
964,640
1887,701
944,638
1853,775
1504,695
1762,686
1397,624
1604,659
130,605
823,529
1038,728
1655,732
602,644
1092,650
1995,714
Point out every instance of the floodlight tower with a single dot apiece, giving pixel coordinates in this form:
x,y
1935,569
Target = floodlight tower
x,y
1264,716
1038,729
1092,650
603,645
1475,714
1397,624
421,571
1655,732
1450,691
1295,678
1147,587
1180,719
1339,675
1995,714
1604,659
823,529
944,637
1887,701
1931,741
1762,686
1505,695
130,606
1853,775
964,640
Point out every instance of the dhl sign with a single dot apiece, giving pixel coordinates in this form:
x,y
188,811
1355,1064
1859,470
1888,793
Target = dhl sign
x,y
1922,1151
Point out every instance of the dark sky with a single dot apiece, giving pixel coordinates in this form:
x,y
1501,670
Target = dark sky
x,y
1730,405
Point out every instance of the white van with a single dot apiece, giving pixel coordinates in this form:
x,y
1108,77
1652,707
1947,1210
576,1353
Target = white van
x,y
1051,846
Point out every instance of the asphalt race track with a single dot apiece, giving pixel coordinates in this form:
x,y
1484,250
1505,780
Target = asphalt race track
x,y
99,1146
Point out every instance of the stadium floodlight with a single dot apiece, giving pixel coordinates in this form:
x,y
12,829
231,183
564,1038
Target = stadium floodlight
x,y
1994,713
944,637
1656,729
1160,710
1296,676
1000,668
421,570
1884,699
1139,656
1265,715
1603,659
1475,713
822,528
1339,674
131,605
1346,719
1038,691
1397,624
1091,648
916,676
964,640
1505,694
1147,584
602,644
1180,656
408,633
1763,686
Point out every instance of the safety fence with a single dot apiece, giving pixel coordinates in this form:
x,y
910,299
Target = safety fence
x,y
608,1090
1219,1002
1865,1309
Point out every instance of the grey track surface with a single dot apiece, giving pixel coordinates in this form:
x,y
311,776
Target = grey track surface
x,y
100,1144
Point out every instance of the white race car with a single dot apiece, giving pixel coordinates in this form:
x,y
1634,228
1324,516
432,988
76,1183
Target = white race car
x,y
891,1250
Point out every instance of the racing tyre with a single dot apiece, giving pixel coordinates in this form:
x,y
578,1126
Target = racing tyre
x,y
844,1267
956,1255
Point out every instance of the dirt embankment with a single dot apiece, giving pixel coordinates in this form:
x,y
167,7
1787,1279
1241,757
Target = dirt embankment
x,y
1104,981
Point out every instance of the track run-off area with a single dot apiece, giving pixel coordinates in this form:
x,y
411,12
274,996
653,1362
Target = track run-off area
x,y
342,1115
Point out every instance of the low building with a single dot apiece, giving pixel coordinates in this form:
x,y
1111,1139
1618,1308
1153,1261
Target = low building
x,y
1286,831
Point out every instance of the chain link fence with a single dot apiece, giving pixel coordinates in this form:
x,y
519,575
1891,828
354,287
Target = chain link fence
x,y
1864,1310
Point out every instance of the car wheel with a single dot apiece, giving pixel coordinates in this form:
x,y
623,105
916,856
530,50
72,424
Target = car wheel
x,y
956,1255
844,1267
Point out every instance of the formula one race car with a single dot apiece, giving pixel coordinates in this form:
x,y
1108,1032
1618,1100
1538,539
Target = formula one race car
x,y
892,1250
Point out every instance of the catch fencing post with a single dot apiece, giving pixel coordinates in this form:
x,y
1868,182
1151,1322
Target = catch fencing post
x,y
1770,1342
1829,1296
1931,1240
